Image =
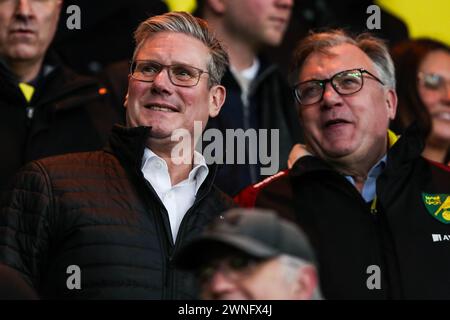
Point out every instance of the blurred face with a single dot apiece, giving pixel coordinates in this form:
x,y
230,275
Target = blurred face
x,y
26,28
434,89
346,129
164,106
252,281
262,22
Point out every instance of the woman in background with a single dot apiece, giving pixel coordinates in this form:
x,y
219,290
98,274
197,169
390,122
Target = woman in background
x,y
423,87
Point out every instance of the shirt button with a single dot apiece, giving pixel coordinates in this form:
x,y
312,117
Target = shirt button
x,y
157,165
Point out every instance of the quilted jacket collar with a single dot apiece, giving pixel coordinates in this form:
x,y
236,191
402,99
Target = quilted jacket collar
x,y
128,145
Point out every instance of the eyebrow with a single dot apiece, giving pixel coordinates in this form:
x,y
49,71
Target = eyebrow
x,y
315,77
172,63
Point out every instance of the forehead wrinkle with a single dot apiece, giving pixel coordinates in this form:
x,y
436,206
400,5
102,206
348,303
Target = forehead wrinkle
x,y
169,49
326,62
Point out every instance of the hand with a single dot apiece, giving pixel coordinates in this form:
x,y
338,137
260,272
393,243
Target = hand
x,y
297,151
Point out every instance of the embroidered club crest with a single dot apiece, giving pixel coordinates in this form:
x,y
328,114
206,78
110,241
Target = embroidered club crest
x,y
438,206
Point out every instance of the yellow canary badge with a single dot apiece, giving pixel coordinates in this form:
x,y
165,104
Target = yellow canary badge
x,y
438,206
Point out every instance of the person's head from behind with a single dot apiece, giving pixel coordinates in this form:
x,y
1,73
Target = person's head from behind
x,y
345,90
259,22
175,75
423,78
27,28
252,255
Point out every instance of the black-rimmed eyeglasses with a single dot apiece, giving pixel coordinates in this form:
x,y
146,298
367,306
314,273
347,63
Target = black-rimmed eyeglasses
x,y
181,75
344,83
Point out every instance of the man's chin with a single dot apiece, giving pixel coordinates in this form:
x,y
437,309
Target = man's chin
x,y
23,52
159,134
335,154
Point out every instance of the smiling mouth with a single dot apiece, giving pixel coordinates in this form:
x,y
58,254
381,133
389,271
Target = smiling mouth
x,y
334,122
442,115
158,107
279,22
22,31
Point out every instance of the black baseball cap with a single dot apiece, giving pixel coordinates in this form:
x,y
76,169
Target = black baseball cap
x,y
259,233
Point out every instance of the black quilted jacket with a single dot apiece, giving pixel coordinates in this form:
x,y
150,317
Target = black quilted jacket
x,y
96,211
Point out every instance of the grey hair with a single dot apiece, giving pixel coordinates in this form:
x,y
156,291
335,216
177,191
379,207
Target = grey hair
x,y
374,47
183,22
291,265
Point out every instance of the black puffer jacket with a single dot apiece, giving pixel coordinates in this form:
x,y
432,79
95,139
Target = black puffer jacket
x,y
96,211
68,113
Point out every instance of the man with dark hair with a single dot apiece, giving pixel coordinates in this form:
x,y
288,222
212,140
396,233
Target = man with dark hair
x,y
258,96
252,255
45,108
116,217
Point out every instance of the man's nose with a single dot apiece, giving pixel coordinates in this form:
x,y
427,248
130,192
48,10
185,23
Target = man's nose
x,y
446,95
24,8
330,96
218,284
161,82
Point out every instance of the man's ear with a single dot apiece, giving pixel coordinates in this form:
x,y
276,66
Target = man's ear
x,y
216,6
217,96
391,103
306,283
125,101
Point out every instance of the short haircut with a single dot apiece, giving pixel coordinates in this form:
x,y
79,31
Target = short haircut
x,y
374,47
183,22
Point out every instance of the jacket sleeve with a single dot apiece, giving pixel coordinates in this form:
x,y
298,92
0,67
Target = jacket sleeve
x,y
24,223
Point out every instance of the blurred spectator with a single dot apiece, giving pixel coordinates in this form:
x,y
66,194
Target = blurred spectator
x,y
258,96
106,32
322,14
252,255
46,109
423,88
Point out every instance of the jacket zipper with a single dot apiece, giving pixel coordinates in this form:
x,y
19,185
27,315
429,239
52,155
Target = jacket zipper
x,y
377,221
373,206
202,195
182,228
168,280
161,234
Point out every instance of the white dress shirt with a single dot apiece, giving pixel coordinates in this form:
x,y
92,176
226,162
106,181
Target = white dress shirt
x,y
179,198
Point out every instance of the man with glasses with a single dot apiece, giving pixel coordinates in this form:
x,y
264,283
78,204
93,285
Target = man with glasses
x,y
105,225
252,255
374,209
45,108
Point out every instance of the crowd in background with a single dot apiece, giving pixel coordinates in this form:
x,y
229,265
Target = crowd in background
x,y
115,202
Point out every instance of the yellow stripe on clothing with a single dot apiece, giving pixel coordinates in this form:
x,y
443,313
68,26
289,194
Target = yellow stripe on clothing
x,y
392,138
27,90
